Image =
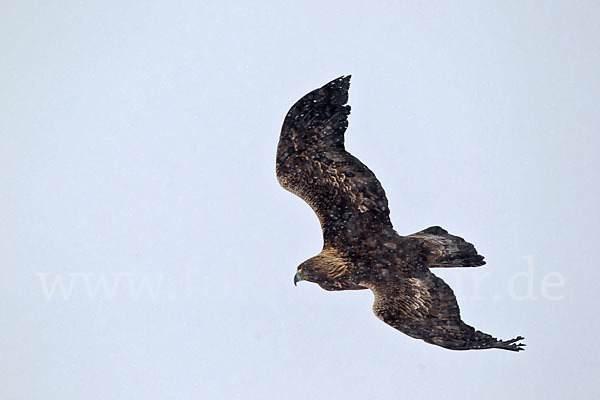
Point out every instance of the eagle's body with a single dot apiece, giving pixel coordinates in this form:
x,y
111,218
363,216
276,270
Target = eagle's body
x,y
361,248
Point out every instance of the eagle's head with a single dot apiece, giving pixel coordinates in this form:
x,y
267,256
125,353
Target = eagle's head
x,y
326,269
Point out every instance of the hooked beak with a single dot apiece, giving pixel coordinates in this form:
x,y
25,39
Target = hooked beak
x,y
297,278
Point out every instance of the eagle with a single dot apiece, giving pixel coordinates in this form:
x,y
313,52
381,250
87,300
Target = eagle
x,y
361,249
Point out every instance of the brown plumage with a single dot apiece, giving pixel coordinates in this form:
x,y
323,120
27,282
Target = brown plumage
x,y
361,249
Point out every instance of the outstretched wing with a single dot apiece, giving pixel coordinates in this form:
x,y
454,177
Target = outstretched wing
x,y
313,164
424,307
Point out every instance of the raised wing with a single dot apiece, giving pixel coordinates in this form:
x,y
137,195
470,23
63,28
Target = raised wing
x,y
424,307
313,164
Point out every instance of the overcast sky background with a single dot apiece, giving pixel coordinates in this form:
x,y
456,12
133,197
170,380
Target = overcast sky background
x,y
137,142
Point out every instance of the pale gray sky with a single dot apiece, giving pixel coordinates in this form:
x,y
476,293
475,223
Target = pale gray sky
x,y
138,144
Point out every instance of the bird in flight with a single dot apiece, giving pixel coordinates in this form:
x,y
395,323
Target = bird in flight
x,y
361,249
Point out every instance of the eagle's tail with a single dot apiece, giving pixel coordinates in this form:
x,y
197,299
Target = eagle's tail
x,y
447,251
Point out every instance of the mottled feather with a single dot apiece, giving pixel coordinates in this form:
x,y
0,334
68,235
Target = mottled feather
x,y
312,163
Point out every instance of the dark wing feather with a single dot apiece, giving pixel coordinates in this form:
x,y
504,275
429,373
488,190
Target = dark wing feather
x,y
423,306
313,164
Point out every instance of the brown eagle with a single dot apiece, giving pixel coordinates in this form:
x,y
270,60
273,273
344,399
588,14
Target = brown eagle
x,y
361,249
